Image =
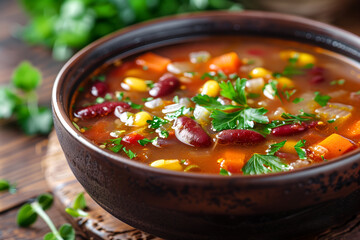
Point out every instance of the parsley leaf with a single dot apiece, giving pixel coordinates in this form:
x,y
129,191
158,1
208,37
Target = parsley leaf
x,y
300,151
211,103
260,164
322,100
236,94
243,119
182,111
26,77
130,153
156,122
292,119
145,141
224,172
275,147
298,100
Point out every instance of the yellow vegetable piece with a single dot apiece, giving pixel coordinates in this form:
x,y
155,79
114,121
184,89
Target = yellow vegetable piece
x,y
289,146
140,119
303,59
259,72
170,164
211,88
136,84
285,83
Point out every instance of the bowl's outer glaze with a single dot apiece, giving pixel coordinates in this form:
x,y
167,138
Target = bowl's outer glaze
x,y
193,206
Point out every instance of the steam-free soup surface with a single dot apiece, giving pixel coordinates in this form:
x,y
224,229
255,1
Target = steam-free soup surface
x,y
225,105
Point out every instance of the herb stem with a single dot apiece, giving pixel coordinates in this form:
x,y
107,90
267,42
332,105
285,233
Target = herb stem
x,y
38,209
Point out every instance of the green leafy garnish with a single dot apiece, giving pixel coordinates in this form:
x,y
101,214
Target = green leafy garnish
x,y
337,82
298,100
260,164
5,185
243,119
291,68
99,100
275,147
156,122
331,120
292,119
129,153
78,206
20,102
322,100
236,93
147,99
180,112
211,103
224,172
299,149
145,141
176,99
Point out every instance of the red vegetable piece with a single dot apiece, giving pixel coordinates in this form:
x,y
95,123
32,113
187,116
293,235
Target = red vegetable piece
x,y
292,129
101,109
188,131
166,85
317,75
132,138
239,136
99,89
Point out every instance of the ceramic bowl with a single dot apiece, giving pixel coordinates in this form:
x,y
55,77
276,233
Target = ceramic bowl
x,y
177,205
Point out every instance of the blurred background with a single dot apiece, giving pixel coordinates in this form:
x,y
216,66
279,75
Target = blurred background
x,y
46,33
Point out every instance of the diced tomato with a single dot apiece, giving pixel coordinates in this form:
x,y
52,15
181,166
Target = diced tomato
x,y
132,138
228,63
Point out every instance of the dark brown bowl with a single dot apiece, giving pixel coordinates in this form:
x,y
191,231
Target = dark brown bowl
x,y
176,205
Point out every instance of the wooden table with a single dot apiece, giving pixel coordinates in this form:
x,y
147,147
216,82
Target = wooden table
x,y
20,155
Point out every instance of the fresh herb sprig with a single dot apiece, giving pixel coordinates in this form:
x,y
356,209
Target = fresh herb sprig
x,y
19,101
115,146
29,212
263,164
5,185
293,119
78,206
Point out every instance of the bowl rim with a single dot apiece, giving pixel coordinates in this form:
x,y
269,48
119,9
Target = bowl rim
x,y
60,114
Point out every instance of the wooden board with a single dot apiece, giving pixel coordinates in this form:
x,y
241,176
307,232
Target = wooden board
x,y
102,225
99,224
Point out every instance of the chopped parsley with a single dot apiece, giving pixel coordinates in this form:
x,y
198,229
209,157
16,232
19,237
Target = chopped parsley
x,y
337,82
260,164
129,153
299,149
236,93
149,83
331,120
176,99
275,147
217,76
145,141
182,111
322,100
156,122
211,103
224,172
298,100
147,99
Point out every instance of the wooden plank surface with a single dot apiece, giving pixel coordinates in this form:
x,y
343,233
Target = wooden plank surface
x,y
20,155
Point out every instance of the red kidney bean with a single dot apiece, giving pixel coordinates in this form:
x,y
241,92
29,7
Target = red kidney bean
x,y
100,109
132,138
99,89
292,129
317,75
239,136
191,133
166,85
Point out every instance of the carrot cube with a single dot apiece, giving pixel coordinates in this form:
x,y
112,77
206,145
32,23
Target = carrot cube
x,y
228,63
333,146
232,161
153,62
354,130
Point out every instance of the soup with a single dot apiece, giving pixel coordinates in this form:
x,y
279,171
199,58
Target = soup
x,y
225,105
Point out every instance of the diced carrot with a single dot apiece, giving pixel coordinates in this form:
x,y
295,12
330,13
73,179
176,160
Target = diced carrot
x,y
153,62
354,130
333,146
228,63
289,147
233,161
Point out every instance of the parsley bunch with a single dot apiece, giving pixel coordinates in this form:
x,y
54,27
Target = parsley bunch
x,y
244,118
19,101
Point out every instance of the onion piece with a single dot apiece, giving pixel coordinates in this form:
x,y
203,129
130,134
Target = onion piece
x,y
180,67
336,111
199,57
183,102
201,114
155,103
255,85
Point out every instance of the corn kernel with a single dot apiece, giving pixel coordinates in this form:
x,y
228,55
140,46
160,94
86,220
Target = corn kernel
x,y
170,164
140,119
134,72
135,84
259,72
305,59
285,83
211,88
289,146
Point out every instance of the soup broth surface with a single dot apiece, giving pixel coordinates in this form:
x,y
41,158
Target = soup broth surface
x,y
224,105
